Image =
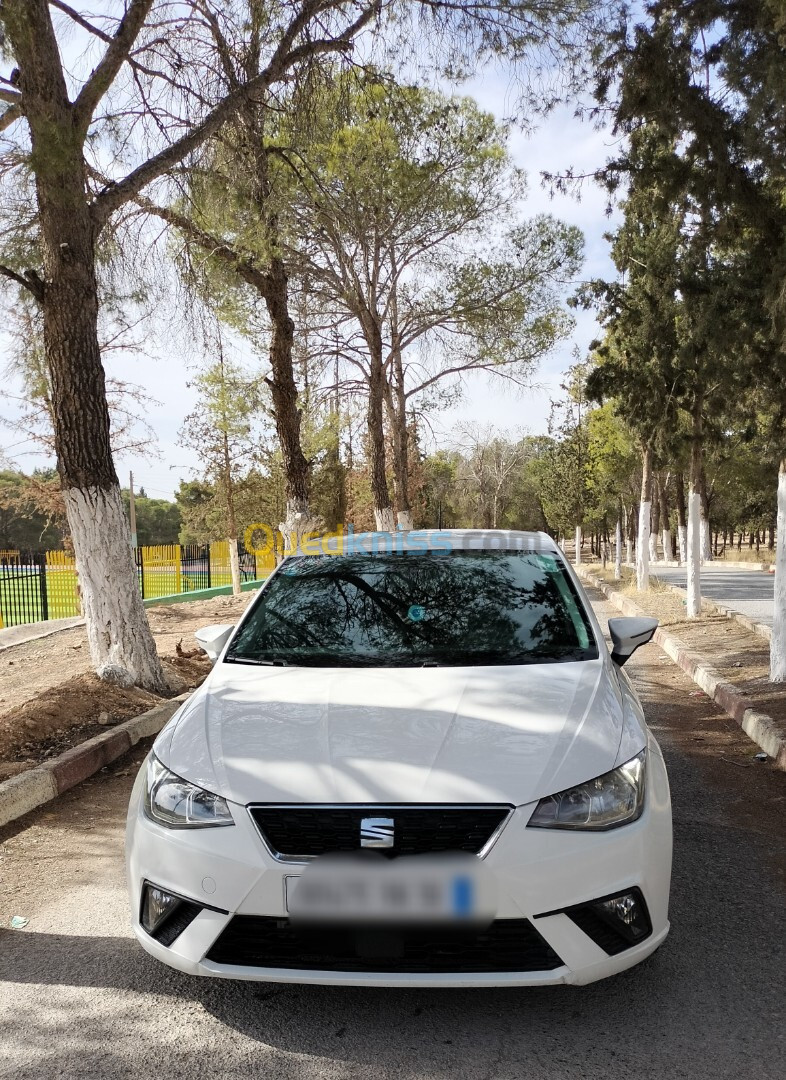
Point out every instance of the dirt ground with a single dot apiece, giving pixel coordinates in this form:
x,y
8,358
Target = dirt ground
x,y
50,700
739,655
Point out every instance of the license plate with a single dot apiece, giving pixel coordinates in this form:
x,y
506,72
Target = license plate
x,y
422,889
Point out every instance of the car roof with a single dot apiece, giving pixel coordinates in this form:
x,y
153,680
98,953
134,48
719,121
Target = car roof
x,y
380,543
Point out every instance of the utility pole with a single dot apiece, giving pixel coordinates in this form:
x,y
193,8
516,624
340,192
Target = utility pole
x,y
132,509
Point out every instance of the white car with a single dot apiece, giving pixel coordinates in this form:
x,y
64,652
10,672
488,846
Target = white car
x,y
414,763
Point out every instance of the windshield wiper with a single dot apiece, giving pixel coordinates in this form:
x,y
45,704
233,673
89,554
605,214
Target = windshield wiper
x,y
277,661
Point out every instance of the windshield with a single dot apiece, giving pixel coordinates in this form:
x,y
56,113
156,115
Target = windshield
x,y
417,608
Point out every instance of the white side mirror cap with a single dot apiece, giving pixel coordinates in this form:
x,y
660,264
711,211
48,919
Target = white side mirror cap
x,y
628,634
213,638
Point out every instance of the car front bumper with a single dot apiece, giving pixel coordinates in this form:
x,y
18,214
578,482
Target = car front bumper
x,y
539,872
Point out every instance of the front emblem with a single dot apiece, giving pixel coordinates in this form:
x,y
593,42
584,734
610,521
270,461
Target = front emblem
x,y
377,832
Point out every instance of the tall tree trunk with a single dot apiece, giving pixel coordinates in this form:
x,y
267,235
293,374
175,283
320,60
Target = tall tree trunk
x,y
695,516
577,536
682,532
706,543
397,412
655,519
286,412
375,419
630,534
618,547
645,506
234,558
122,649
778,640
665,530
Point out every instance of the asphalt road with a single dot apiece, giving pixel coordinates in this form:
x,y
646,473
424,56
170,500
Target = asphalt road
x,y
79,998
748,591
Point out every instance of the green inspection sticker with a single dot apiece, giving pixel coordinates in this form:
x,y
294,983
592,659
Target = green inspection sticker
x,y
416,613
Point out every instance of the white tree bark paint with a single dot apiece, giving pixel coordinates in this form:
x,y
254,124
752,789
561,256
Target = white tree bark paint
x,y
578,546
682,544
121,648
385,519
234,566
643,547
404,520
694,555
778,641
297,523
618,552
665,539
706,540
653,543
628,551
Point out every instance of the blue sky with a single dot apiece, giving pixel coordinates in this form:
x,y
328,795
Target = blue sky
x,y
560,141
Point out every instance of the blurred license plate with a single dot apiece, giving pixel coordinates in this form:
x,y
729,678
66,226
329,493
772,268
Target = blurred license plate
x,y
410,889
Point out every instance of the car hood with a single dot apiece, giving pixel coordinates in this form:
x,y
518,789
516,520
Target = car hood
x,y
385,735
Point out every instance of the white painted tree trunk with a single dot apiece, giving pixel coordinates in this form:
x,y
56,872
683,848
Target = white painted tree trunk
x,y
404,520
118,636
234,566
618,552
385,519
682,544
666,541
628,551
706,540
643,548
778,641
653,542
578,545
694,554
297,523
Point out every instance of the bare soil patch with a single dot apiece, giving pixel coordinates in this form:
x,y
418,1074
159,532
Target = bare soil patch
x,y
50,700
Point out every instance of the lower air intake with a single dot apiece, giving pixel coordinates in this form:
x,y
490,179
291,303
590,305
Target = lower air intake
x,y
507,945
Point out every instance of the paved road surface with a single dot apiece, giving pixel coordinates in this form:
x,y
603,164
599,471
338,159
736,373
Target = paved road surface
x,y
748,591
79,998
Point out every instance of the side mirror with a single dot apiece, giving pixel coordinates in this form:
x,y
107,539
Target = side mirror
x,y
213,639
628,634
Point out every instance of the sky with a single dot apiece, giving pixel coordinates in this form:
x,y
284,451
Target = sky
x,y
561,141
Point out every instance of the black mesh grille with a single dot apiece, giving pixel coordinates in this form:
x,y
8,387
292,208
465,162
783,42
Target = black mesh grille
x,y
318,830
174,925
507,945
609,939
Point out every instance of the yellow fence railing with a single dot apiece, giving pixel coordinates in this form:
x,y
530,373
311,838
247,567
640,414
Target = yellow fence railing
x,y
37,585
62,587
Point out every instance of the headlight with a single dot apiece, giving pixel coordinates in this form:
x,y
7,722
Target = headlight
x,y
175,803
613,799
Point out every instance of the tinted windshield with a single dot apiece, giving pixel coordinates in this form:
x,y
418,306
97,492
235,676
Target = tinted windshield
x,y
417,608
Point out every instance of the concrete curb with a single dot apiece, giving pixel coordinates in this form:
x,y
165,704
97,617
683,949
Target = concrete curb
x,y
759,727
33,788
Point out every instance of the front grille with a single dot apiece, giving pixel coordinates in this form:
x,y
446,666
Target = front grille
x,y
507,945
292,831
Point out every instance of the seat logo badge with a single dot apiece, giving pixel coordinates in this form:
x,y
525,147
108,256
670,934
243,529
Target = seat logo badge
x,y
377,832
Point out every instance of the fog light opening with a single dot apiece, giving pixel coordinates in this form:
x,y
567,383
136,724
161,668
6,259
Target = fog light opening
x,y
627,914
157,906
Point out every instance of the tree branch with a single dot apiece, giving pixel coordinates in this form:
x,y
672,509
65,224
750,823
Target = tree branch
x,y
80,20
243,266
104,75
9,117
30,281
284,58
